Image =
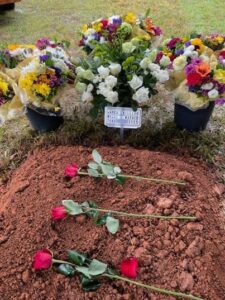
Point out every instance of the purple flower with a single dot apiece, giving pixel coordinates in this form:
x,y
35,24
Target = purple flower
x,y
2,101
187,44
43,43
44,57
117,21
220,101
172,43
157,30
179,52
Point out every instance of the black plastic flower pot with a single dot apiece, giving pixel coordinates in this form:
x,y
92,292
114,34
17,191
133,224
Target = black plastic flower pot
x,y
43,120
193,121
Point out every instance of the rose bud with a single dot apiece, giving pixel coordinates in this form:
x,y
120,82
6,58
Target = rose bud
x,y
42,260
128,267
59,213
71,170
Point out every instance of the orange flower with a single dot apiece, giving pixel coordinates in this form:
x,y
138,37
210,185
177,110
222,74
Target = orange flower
x,y
149,25
203,69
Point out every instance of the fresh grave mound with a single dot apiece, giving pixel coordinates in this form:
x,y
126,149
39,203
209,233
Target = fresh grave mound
x,y
176,255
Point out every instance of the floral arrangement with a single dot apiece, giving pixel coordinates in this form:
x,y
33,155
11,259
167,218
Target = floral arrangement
x,y
91,271
203,83
91,210
39,83
122,28
55,55
100,168
6,91
215,41
181,51
124,77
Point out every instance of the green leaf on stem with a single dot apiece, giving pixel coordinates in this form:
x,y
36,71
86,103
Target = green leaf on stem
x,y
93,165
84,271
76,257
108,171
93,173
92,213
97,267
102,220
120,179
112,225
72,207
96,156
66,270
89,284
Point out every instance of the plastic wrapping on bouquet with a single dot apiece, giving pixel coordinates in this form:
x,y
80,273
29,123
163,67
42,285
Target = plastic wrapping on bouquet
x,y
192,121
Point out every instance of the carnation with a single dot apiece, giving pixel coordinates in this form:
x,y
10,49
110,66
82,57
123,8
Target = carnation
x,y
179,63
145,63
136,82
162,75
141,95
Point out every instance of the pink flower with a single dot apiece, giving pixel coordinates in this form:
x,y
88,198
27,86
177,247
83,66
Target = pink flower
x,y
128,267
71,170
42,260
59,213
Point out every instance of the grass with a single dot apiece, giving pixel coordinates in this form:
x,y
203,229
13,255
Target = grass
x,y
62,19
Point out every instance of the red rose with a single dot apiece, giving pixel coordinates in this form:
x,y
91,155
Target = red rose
x,y
42,260
104,22
71,170
128,267
222,53
59,213
194,78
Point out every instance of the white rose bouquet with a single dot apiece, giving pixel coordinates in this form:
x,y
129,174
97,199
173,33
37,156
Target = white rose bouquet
x,y
126,78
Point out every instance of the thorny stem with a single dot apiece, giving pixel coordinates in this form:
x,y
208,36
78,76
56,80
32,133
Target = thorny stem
x,y
190,218
153,288
141,178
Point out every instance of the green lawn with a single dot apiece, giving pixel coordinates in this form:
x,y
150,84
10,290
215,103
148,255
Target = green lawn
x,y
33,19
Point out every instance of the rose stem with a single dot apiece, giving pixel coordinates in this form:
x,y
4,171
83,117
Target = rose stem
x,y
142,215
141,178
153,288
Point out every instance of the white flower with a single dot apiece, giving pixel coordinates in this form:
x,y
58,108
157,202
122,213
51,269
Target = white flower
x,y
162,76
115,69
102,40
103,72
112,97
179,63
128,47
59,63
111,81
81,87
80,72
164,61
213,94
90,32
205,58
87,97
136,82
154,67
141,95
34,66
97,79
90,88
103,89
88,75
115,17
207,86
145,63
152,55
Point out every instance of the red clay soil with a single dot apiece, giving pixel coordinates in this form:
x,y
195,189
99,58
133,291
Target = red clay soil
x,y
184,256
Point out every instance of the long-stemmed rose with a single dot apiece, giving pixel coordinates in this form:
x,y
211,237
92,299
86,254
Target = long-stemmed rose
x,y
90,209
100,168
92,270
